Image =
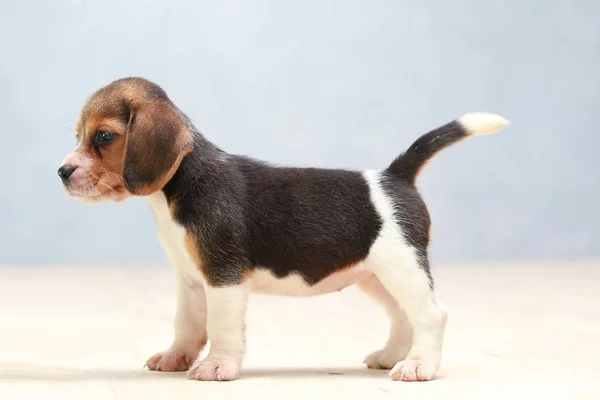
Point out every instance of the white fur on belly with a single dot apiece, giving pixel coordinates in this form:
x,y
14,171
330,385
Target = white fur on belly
x,y
263,281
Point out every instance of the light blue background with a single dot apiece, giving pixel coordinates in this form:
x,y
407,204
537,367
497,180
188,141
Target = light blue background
x,y
317,83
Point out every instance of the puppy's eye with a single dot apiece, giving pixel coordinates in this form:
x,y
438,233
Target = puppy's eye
x,y
103,138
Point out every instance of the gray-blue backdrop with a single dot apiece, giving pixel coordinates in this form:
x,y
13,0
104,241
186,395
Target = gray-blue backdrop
x,y
317,83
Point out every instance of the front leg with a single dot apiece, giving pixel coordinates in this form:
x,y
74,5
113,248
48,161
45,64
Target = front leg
x,y
226,328
190,329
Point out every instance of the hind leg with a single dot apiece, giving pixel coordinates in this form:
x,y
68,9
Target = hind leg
x,y
400,335
402,273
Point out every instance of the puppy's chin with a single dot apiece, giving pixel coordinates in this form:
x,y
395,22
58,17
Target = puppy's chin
x,y
89,201
94,199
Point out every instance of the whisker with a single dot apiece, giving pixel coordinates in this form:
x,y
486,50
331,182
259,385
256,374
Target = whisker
x,y
119,177
110,188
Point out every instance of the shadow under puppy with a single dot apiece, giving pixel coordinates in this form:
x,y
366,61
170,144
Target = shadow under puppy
x,y
232,225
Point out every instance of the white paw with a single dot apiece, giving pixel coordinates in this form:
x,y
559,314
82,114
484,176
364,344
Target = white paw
x,y
415,369
214,369
385,358
170,361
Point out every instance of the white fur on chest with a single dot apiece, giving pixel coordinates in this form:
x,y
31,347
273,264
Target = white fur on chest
x,y
172,238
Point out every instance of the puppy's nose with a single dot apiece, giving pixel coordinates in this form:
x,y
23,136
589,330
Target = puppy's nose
x,y
65,172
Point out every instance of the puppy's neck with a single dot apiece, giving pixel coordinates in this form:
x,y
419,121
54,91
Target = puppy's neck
x,y
199,171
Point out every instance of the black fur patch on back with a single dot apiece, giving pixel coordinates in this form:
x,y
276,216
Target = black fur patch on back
x,y
246,214
307,220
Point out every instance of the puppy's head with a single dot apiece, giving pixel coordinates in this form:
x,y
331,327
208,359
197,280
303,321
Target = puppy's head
x,y
130,141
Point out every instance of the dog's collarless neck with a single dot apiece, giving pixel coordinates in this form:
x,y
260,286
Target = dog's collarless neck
x,y
196,170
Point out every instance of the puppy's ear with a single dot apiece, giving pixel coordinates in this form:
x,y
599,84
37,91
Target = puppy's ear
x,y
157,141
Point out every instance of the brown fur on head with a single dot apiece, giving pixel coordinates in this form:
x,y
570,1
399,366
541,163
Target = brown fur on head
x,y
130,141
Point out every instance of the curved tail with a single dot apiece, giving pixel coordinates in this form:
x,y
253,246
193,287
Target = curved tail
x,y
409,164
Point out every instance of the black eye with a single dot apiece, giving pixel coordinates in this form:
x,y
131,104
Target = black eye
x,y
103,138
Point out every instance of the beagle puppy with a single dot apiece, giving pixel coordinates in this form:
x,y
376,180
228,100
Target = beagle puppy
x,y
232,225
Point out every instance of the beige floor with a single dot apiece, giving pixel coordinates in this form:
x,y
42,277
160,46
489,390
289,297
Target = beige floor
x,y
518,331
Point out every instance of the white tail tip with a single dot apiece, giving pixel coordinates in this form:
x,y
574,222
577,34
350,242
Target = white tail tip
x,y
482,123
